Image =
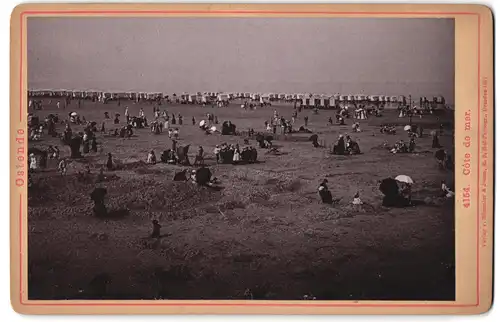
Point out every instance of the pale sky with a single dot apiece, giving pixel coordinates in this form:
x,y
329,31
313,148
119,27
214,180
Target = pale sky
x,y
387,56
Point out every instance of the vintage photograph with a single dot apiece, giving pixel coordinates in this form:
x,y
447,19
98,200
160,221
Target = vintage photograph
x,y
241,158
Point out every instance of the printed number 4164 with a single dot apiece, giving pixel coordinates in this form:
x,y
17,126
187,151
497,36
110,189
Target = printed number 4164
x,y
466,197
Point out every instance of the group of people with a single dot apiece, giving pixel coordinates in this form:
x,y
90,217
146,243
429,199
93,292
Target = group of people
x,y
89,140
346,146
280,121
388,129
407,111
39,159
225,153
233,154
402,147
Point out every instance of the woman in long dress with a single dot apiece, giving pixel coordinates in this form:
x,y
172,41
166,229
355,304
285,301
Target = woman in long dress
x,y
33,163
236,155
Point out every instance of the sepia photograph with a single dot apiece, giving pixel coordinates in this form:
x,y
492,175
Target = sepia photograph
x,y
240,158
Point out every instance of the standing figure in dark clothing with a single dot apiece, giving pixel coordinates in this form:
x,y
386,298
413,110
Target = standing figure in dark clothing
x,y
306,120
435,141
109,163
93,144
339,148
199,157
174,146
156,229
43,159
97,196
74,145
411,146
324,193
51,127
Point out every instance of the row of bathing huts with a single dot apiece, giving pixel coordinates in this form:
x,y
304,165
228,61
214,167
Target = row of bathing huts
x,y
305,100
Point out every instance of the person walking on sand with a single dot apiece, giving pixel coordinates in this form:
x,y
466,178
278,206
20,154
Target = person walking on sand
x,y
324,192
93,144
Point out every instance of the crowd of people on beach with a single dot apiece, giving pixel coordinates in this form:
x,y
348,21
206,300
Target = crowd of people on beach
x,y
223,153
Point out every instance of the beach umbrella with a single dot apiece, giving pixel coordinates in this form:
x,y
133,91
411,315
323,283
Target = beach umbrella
x,y
73,114
202,123
404,178
407,128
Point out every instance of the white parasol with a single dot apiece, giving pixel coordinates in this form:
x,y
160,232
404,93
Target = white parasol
x,y
73,114
404,178
213,129
202,123
407,127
